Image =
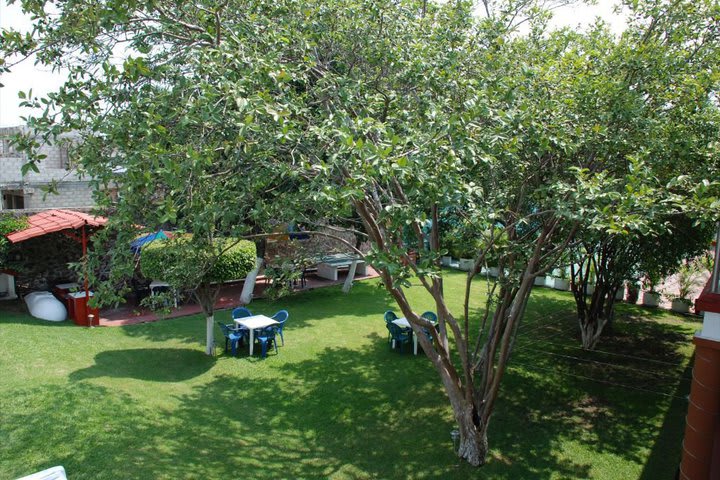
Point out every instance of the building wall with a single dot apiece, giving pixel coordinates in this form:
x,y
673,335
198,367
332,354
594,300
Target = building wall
x,y
74,191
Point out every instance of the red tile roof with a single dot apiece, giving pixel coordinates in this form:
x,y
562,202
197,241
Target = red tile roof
x,y
54,221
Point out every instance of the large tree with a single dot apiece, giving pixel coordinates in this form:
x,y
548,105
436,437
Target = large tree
x,y
223,116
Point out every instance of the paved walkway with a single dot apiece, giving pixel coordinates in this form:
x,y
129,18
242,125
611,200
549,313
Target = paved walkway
x,y
130,314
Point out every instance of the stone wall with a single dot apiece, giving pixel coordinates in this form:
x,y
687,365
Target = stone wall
x,y
43,261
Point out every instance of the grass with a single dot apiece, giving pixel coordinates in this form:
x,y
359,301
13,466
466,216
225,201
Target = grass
x,y
144,401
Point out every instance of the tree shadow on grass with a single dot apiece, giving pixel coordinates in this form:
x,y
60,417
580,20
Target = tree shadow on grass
x,y
151,364
665,455
614,400
306,309
342,415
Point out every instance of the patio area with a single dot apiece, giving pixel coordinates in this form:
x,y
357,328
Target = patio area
x,y
130,313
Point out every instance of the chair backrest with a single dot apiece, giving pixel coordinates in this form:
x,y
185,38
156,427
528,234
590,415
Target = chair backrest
x,y
225,329
268,331
395,331
281,316
241,312
390,316
430,316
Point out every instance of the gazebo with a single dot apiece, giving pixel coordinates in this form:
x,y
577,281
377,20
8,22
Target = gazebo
x,y
75,225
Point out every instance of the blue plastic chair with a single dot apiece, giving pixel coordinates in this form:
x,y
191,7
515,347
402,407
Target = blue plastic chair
x,y
241,312
390,316
431,317
399,335
265,336
232,336
281,317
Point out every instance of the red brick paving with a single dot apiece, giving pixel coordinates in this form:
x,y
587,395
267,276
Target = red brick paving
x,y
229,297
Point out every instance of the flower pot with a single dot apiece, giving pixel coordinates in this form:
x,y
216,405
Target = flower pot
x,y
539,281
680,305
561,284
650,299
445,260
466,264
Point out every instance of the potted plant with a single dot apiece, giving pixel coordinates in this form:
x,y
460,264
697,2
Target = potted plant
x,y
561,279
446,260
465,261
686,278
650,297
464,247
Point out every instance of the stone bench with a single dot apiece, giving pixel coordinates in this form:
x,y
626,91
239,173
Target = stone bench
x,y
328,268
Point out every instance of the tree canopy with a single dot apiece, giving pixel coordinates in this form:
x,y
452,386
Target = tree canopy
x,y
224,116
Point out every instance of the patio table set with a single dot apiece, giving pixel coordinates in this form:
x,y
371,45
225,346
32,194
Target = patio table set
x,y
400,332
254,328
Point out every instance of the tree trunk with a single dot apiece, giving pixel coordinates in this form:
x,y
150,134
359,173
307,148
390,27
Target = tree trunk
x,y
210,330
473,446
249,285
589,334
206,296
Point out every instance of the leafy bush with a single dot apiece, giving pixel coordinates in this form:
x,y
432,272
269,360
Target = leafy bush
x,y
9,224
462,243
181,263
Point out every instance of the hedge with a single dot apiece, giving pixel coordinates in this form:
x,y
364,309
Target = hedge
x,y
174,260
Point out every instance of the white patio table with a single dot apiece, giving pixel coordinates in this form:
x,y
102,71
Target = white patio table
x,y
403,322
251,323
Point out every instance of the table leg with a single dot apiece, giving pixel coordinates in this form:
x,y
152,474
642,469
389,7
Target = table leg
x,y
252,340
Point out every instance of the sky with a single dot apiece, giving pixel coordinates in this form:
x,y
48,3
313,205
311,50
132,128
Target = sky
x,y
43,80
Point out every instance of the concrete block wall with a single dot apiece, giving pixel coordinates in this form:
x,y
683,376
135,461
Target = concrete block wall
x,y
73,190
70,195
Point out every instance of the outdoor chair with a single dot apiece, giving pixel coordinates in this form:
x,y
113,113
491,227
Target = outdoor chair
x,y
281,317
265,336
398,335
231,336
241,312
390,316
430,317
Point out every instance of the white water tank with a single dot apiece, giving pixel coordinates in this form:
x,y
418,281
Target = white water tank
x,y
45,306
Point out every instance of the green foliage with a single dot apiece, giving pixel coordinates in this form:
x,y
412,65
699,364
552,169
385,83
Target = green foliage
x,y
9,224
182,264
281,279
462,242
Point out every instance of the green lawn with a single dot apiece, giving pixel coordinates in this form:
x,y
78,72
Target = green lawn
x,y
145,402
